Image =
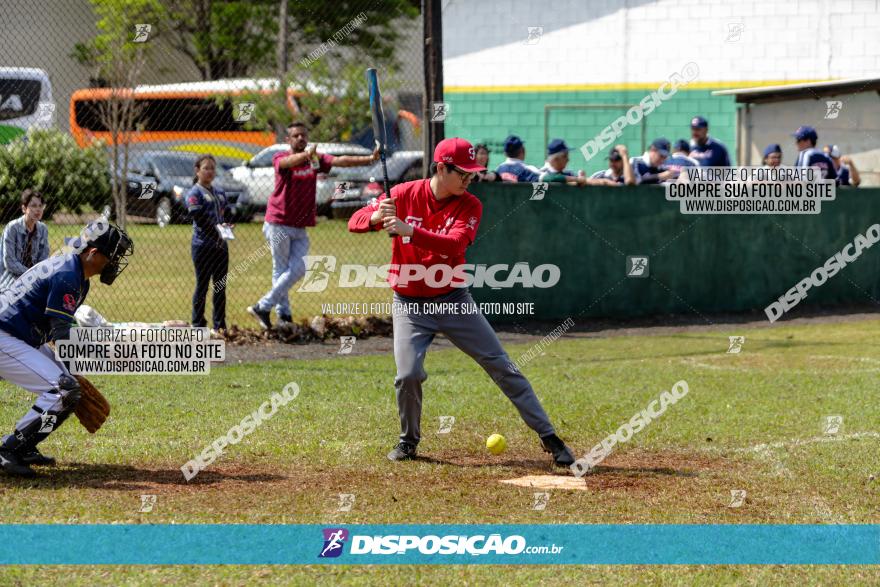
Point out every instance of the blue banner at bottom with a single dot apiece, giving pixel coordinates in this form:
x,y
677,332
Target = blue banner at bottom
x,y
441,544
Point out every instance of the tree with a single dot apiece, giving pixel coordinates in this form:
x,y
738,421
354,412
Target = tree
x,y
118,55
51,162
333,100
237,38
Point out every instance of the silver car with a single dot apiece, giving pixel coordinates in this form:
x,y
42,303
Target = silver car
x,y
259,175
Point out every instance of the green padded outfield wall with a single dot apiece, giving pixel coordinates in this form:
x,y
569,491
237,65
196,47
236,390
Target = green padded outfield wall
x,y
698,264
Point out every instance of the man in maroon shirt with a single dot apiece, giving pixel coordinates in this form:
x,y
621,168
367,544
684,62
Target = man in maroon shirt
x,y
290,210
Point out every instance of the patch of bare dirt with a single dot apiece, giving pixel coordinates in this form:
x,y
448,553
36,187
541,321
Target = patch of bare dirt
x,y
631,470
311,339
636,469
636,474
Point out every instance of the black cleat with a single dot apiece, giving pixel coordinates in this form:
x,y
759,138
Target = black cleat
x,y
262,317
404,451
35,457
11,463
562,455
285,318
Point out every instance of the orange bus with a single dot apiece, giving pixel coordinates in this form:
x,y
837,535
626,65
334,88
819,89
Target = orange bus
x,y
181,117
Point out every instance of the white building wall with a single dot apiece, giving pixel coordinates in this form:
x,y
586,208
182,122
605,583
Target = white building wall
x,y
586,42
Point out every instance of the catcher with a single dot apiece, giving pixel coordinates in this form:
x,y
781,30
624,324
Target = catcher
x,y
39,309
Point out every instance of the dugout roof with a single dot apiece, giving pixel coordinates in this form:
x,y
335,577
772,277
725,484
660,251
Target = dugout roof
x,y
814,90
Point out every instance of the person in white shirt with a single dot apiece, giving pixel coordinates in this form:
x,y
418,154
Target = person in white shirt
x,y
847,174
619,170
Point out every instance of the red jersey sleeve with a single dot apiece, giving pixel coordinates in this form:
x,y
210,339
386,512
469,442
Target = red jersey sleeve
x,y
276,161
360,220
325,162
459,236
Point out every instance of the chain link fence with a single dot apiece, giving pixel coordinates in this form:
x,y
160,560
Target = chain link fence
x,y
105,106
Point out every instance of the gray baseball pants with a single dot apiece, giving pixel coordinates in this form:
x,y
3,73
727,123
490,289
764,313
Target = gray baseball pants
x,y
416,324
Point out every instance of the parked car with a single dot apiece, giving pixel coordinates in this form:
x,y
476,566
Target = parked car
x,y
355,186
259,175
135,186
172,172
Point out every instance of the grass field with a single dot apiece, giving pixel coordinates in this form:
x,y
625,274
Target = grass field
x,y
332,439
158,283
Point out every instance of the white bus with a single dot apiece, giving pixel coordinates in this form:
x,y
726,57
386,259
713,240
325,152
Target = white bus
x,y
25,101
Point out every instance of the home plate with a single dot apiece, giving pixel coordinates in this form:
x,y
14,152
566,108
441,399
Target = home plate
x,y
549,482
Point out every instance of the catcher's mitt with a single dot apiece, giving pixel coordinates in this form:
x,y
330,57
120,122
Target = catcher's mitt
x,y
92,408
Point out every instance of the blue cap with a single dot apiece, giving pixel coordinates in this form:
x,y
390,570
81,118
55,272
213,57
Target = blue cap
x,y
557,146
512,144
614,155
805,133
774,148
682,145
661,145
699,122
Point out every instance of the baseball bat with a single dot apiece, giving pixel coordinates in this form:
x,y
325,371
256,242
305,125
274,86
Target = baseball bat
x,y
378,124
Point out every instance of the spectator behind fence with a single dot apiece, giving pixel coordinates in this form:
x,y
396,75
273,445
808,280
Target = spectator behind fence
x,y
290,210
650,168
481,152
209,209
707,151
620,171
847,174
514,168
679,157
557,159
25,240
805,138
773,155
554,169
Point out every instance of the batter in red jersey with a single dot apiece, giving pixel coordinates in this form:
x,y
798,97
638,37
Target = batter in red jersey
x,y
434,221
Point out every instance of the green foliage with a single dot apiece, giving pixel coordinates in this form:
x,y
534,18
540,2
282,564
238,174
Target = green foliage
x,y
333,101
224,39
237,38
114,44
315,21
340,101
51,162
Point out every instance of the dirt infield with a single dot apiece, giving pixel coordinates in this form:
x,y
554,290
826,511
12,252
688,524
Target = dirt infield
x,y
531,333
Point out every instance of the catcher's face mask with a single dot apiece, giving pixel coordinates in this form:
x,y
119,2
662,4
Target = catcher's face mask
x,y
117,246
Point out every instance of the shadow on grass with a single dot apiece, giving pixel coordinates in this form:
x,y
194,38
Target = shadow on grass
x,y
116,477
544,464
638,471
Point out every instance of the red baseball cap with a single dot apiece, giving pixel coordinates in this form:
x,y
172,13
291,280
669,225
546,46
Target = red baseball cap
x,y
457,151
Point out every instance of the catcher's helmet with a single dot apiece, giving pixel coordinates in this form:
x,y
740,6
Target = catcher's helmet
x,y
117,246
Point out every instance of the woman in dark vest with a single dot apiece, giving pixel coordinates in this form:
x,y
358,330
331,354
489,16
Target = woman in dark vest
x,y
209,210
